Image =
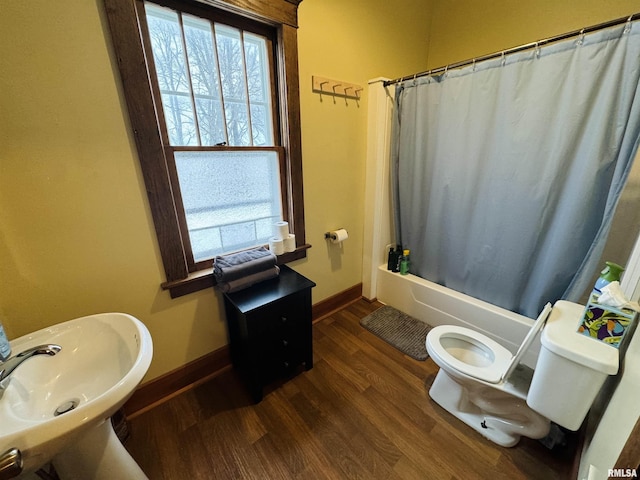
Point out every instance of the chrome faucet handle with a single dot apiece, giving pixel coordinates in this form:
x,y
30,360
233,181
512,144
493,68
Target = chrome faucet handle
x,y
10,464
8,366
47,349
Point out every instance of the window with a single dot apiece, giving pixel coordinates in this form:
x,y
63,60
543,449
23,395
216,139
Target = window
x,y
213,100
215,88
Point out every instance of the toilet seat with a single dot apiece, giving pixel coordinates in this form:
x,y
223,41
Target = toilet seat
x,y
497,356
500,363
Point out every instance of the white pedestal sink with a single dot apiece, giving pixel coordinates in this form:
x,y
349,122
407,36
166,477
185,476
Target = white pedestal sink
x,y
102,360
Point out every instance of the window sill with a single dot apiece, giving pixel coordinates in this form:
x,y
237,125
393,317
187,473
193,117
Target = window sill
x,y
203,279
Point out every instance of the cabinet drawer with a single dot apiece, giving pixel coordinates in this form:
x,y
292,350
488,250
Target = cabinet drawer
x,y
289,314
281,332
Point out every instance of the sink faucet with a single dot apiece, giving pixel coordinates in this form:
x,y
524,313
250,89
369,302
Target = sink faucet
x,y
7,367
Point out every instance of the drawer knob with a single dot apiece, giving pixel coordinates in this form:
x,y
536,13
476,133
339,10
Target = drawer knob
x,y
286,364
285,343
284,319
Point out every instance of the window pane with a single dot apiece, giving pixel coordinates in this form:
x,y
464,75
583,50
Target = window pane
x,y
261,125
232,75
237,123
171,70
231,199
210,121
204,79
259,89
178,115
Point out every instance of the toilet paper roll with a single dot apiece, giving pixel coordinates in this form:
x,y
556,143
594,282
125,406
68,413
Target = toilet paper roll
x,y
289,243
338,236
281,229
276,245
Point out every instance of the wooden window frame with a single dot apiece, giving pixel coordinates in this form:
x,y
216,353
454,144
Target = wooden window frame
x,y
125,18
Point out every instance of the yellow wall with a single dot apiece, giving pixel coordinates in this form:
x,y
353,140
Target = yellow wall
x,y
76,236
463,29
350,42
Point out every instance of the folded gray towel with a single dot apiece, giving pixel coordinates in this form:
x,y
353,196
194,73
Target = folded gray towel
x,y
245,282
227,268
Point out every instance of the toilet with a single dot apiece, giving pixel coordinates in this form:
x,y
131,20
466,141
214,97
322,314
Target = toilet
x,y
483,384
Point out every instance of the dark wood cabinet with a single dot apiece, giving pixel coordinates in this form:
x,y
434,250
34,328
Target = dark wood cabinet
x,y
270,329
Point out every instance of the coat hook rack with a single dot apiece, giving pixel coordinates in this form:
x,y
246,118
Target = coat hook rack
x,y
338,88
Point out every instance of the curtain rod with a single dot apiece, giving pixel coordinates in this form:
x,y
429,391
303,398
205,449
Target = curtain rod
x,y
520,48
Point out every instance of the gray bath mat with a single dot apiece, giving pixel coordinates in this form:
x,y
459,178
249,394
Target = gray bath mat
x,y
405,333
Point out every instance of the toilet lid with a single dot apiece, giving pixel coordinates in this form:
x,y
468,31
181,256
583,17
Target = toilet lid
x,y
491,373
528,339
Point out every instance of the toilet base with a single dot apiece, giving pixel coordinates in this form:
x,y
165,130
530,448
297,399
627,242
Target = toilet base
x,y
500,429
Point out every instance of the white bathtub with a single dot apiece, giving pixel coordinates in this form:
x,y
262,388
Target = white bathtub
x,y
438,305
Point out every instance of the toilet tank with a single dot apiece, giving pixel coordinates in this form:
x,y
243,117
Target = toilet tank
x,y
571,368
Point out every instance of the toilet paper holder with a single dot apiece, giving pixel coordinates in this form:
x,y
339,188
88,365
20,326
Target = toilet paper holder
x,y
333,235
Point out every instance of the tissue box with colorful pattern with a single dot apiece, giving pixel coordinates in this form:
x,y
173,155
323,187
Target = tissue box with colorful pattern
x,y
605,323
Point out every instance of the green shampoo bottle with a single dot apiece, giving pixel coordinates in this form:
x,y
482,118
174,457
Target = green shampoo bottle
x,y
405,262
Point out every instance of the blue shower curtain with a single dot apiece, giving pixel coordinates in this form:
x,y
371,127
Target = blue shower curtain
x,y
507,172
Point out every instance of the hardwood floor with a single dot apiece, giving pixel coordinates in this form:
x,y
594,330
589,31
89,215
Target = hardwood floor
x,y
363,411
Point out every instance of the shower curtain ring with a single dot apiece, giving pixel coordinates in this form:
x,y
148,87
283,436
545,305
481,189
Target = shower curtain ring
x,y
414,79
581,37
504,59
627,27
